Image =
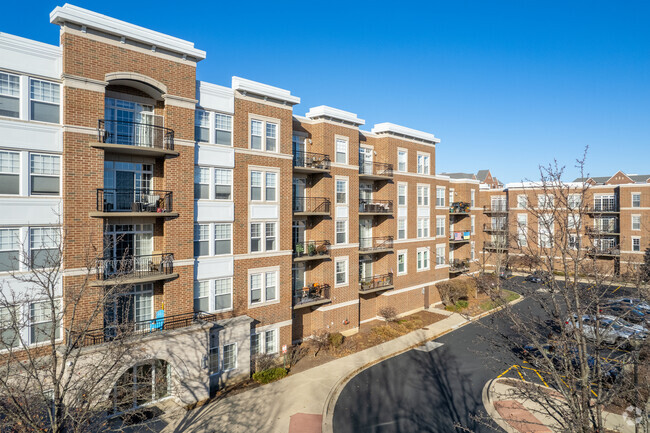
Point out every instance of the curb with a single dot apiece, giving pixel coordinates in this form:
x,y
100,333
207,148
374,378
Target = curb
x,y
491,410
330,401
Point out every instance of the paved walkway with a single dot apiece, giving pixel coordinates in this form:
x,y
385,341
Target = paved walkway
x,y
302,402
515,414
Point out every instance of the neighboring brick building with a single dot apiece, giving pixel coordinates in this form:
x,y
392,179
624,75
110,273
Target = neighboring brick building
x,y
292,224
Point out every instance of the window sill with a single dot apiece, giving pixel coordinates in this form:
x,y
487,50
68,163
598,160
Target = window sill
x,y
263,304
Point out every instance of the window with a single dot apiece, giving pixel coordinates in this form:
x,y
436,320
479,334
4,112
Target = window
x,y
223,129
222,238
201,240
9,95
9,321
341,232
636,244
341,191
271,341
574,241
499,203
423,163
270,236
45,101
263,182
545,201
222,294
440,197
202,126
472,197
213,356
341,272
423,259
229,356
440,226
401,194
546,231
43,320
522,201
573,222
264,342
522,230
263,287
472,220
341,151
9,250
472,251
451,196
440,255
574,201
636,199
201,183
401,263
256,134
423,196
605,202
401,228
9,171
222,184
263,237
271,137
44,246
202,296
256,237
636,222
45,171
423,227
401,160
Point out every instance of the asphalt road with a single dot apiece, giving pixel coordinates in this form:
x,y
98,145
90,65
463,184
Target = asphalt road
x,y
430,391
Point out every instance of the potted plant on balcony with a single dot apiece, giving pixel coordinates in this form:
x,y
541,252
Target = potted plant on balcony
x,y
311,249
322,249
365,285
299,250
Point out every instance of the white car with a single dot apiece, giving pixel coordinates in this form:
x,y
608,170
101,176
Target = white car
x,y
609,328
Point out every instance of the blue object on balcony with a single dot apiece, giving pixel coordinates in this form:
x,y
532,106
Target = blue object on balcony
x,y
158,322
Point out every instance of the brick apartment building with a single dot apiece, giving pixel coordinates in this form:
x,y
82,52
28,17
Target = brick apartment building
x,y
245,226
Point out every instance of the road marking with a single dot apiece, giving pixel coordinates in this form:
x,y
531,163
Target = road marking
x,y
510,368
616,289
428,346
519,372
542,379
510,277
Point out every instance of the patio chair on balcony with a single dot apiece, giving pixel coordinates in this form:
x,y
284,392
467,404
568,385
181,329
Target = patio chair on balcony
x,y
158,323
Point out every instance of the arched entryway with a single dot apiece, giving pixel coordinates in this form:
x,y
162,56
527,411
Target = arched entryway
x,y
142,384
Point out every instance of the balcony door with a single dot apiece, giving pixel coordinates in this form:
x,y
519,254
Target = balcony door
x,y
299,191
365,268
365,232
128,247
130,311
365,160
125,120
298,278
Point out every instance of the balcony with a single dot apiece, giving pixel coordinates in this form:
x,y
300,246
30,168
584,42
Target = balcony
x,y
311,296
459,208
602,208
376,245
458,266
602,231
375,171
495,246
375,207
140,328
311,206
133,203
496,209
135,269
375,283
604,251
311,250
459,237
309,162
135,138
498,228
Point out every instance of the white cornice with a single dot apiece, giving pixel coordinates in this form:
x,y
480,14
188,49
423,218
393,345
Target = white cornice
x,y
248,86
323,111
391,128
29,46
84,17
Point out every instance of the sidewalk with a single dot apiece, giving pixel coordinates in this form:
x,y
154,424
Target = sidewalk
x,y
514,414
302,402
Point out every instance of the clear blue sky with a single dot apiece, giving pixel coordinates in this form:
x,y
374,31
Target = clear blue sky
x,y
505,85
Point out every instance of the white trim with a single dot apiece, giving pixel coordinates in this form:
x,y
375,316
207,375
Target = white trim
x,y
262,254
333,113
391,128
345,259
406,269
248,86
276,325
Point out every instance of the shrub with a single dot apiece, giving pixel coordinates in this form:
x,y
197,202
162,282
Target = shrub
x,y
335,339
321,340
270,375
263,362
462,304
295,354
454,290
389,314
487,283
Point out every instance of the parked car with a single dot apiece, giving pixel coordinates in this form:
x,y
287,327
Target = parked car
x,y
635,328
631,314
610,329
542,277
633,302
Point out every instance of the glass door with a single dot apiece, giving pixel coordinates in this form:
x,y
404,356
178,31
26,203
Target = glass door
x,y
365,268
365,160
299,193
365,233
298,279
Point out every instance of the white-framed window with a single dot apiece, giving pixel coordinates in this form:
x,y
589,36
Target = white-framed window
x,y
636,243
546,230
229,356
202,296
423,259
574,201
201,240
263,287
222,294
636,222
605,202
9,249
401,228
451,196
522,229
440,226
264,135
440,197
9,170
9,95
263,185
222,184
223,129
45,172
201,126
44,245
44,101
264,342
636,199
341,156
402,160
341,271
472,200
472,251
341,191
271,137
222,239
423,163
440,255
545,201
472,220
423,227
9,335
43,319
401,194
522,201
263,236
499,203
573,221
201,183
213,354
256,134
423,195
341,231
574,241
401,262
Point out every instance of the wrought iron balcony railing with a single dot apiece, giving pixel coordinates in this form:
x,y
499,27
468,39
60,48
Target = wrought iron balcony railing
x,y
458,265
311,249
375,206
377,243
376,169
495,227
133,200
376,282
311,160
602,208
316,205
311,295
135,134
459,207
496,208
135,266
